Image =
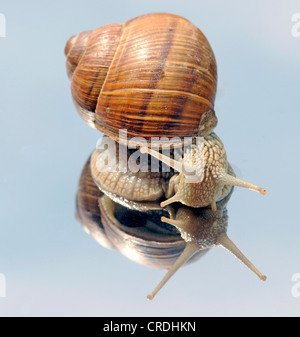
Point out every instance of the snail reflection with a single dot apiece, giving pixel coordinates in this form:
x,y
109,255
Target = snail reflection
x,y
155,236
139,235
154,76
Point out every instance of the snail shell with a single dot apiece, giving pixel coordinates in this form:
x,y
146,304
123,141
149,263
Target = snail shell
x,y
153,75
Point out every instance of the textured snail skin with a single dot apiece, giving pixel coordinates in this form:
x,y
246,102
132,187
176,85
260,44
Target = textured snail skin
x,y
210,189
156,186
154,75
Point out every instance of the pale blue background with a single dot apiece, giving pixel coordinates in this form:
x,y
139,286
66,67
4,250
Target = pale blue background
x,y
51,266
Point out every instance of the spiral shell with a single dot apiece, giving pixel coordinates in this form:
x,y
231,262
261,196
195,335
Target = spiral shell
x,y
154,75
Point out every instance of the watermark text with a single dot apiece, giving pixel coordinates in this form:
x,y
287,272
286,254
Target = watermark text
x,y
295,31
157,154
296,286
2,25
2,285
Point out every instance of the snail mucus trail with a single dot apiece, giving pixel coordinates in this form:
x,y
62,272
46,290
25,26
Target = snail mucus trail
x,y
156,76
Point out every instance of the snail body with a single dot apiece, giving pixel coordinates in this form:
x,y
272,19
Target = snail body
x,y
127,186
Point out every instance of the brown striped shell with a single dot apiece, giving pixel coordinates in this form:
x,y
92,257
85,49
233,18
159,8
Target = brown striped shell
x,y
155,75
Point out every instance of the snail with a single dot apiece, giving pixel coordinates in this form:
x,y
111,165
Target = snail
x,y
149,86
167,238
155,76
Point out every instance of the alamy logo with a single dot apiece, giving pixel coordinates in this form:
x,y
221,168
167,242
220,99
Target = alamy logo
x,y
2,286
188,158
2,25
296,27
296,286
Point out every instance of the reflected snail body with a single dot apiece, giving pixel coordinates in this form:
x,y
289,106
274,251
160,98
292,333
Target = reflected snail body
x,y
155,77
140,236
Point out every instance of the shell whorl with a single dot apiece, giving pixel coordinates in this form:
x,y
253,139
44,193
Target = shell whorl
x,y
154,75
74,50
